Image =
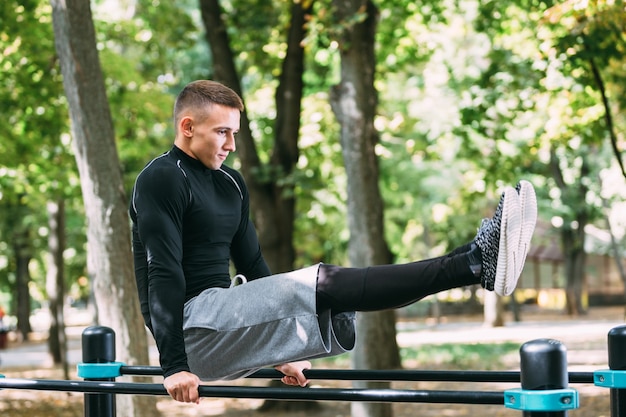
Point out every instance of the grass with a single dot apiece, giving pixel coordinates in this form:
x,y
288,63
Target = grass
x,y
446,356
463,356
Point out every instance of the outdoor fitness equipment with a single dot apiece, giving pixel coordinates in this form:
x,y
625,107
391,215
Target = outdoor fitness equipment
x,y
543,376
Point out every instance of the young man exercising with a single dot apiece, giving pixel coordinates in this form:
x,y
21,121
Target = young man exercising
x,y
190,216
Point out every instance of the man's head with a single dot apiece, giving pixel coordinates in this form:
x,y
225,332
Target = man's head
x,y
198,96
206,118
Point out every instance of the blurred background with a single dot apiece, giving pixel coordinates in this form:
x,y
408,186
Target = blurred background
x,y
447,102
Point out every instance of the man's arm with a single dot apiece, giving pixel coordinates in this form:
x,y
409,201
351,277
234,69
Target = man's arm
x,y
157,208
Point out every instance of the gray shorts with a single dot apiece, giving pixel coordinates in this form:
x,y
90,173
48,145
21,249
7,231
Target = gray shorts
x,y
232,332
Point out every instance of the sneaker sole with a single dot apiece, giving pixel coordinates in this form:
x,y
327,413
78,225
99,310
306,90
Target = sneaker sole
x,y
528,204
508,251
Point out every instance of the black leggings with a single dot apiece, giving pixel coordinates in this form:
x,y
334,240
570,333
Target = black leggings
x,y
391,286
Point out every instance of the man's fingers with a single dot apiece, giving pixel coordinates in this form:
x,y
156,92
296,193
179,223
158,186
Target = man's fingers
x,y
293,380
186,396
194,396
290,380
183,387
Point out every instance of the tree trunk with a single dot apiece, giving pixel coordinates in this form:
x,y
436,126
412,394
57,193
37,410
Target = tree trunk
x,y
354,102
23,255
615,247
108,233
285,153
493,310
573,233
573,242
55,284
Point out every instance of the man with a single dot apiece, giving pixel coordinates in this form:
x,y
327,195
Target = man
x,y
190,218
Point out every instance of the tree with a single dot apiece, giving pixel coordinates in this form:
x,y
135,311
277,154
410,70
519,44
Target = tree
x,y
354,102
108,234
272,184
542,100
55,284
32,158
591,40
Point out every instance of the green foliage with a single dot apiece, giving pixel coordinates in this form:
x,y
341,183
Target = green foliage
x,y
320,180
473,96
540,95
258,28
31,98
36,164
446,356
450,356
142,64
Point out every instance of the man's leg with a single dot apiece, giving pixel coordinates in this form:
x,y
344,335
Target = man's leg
x,y
393,286
390,286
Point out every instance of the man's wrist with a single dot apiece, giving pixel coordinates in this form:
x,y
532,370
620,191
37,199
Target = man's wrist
x,y
175,370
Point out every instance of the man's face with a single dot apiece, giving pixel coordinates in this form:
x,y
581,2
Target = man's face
x,y
212,139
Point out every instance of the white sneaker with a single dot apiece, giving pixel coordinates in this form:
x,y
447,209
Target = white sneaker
x,y
506,274
528,204
498,240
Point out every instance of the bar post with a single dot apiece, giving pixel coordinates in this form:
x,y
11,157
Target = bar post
x,y
617,362
98,344
543,366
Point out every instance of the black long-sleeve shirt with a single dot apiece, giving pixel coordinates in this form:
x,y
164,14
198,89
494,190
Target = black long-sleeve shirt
x,y
188,222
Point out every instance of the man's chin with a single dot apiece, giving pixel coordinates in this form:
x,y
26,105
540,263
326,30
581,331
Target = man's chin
x,y
214,166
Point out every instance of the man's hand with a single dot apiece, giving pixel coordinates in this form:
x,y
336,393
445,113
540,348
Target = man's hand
x,y
293,372
183,386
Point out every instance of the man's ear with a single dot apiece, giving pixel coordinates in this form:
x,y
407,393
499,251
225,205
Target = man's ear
x,y
186,126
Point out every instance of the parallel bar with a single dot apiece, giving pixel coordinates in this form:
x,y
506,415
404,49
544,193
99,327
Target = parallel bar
x,y
383,375
141,370
324,394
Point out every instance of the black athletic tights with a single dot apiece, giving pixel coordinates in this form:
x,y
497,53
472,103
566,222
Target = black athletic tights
x,y
391,286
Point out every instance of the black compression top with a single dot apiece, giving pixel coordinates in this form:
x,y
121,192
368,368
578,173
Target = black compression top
x,y
188,223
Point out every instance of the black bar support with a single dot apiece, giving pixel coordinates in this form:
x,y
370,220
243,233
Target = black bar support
x,y
543,366
381,375
617,362
98,344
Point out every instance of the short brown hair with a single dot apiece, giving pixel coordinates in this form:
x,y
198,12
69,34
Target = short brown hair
x,y
200,94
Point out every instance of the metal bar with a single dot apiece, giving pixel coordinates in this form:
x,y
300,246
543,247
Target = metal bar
x,y
382,375
323,394
141,370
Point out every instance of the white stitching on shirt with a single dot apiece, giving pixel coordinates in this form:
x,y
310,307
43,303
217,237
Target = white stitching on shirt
x,y
185,174
136,179
234,182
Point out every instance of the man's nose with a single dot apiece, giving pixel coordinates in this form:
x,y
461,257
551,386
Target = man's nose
x,y
230,143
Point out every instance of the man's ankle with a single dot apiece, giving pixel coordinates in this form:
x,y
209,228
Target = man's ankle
x,y
475,260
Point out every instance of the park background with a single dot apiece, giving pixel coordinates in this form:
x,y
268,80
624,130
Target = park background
x,y
374,132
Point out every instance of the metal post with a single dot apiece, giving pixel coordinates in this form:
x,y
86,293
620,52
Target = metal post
x,y
98,344
617,362
543,366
